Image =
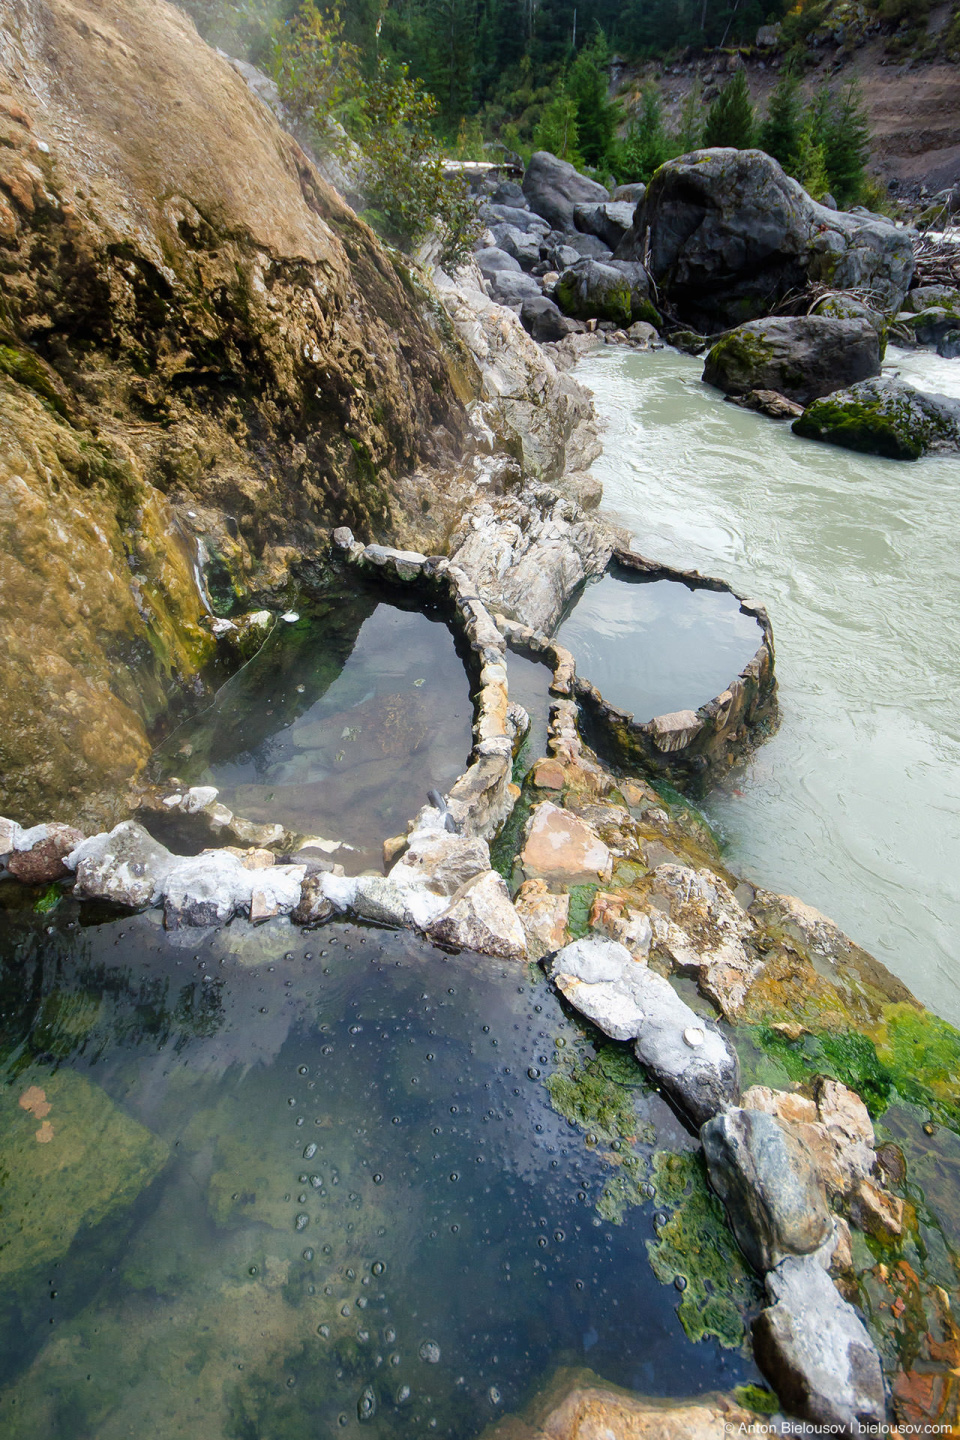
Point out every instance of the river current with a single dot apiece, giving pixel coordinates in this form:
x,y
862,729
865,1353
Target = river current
x,y
854,805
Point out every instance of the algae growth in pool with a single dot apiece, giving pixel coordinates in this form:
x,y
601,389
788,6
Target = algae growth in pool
x,y
339,725
655,646
261,1184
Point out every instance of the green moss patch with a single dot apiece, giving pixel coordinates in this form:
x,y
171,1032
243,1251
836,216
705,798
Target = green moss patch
x,y
696,1248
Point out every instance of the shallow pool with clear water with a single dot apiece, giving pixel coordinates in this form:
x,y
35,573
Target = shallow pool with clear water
x,y
655,646
266,1184
339,725
854,804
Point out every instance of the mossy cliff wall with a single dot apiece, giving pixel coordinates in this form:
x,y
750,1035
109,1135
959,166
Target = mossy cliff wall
x,y
198,340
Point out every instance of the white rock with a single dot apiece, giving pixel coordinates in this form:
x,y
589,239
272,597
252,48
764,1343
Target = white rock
x,y
482,918
125,865
198,797
10,833
441,861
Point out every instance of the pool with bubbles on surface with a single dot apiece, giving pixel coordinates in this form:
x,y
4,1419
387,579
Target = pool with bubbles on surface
x,y
295,1185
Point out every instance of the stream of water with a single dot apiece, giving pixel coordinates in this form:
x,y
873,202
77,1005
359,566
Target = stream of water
x,y
854,805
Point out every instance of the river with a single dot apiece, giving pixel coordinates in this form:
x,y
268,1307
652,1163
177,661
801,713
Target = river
x,y
854,805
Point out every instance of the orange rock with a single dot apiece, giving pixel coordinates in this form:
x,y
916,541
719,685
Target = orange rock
x,y
561,847
549,775
35,1101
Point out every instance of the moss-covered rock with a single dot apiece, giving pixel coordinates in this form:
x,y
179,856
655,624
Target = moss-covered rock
x,y
801,357
883,417
68,1158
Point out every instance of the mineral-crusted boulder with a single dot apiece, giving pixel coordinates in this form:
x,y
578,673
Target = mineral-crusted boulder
x,y
802,357
209,889
767,1180
126,866
553,188
592,290
560,846
628,1001
729,234
543,916
884,417
815,1351
481,917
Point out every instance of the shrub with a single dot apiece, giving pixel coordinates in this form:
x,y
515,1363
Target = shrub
x,y
731,120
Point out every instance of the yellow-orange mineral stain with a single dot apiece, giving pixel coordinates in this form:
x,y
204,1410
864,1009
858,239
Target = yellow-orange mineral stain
x,y
35,1100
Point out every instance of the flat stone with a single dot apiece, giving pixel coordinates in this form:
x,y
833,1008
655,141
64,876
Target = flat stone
x,y
675,731
560,846
767,1180
482,918
39,854
549,774
10,832
814,1350
628,1001
126,866
543,916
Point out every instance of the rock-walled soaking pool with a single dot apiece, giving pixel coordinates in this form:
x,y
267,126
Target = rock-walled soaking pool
x,y
262,1184
854,805
656,646
339,725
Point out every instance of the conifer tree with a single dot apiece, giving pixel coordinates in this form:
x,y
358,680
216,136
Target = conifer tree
x,y
689,136
846,145
731,120
557,130
780,132
597,116
647,144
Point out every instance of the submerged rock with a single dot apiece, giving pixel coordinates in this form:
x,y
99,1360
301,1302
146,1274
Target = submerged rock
x,y
767,1180
815,1351
884,417
628,1001
802,357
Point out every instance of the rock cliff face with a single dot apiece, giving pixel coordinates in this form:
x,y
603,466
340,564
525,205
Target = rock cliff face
x,y
198,341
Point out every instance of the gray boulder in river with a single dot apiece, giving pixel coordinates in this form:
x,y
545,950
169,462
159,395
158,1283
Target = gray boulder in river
x,y
801,356
553,187
884,417
730,234
599,290
609,220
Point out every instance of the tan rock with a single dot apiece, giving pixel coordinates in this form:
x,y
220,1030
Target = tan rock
x,y
393,848
559,846
543,917
549,774
675,731
638,796
252,859
615,916
835,1127
441,861
578,1405
43,860
877,1212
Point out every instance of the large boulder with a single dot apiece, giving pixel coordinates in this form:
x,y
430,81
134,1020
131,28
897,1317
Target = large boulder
x,y
592,290
729,234
521,244
609,221
492,259
553,188
523,219
931,325
510,288
544,321
816,1353
766,1178
884,417
802,356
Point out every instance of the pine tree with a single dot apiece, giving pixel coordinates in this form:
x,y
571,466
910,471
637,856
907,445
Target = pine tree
x,y
846,145
731,120
810,165
557,130
689,136
647,144
587,86
780,132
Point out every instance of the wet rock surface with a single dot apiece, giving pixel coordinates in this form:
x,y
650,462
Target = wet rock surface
x,y
767,1180
815,1350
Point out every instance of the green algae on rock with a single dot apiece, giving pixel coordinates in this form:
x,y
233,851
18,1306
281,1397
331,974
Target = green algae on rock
x,y
883,417
695,1245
